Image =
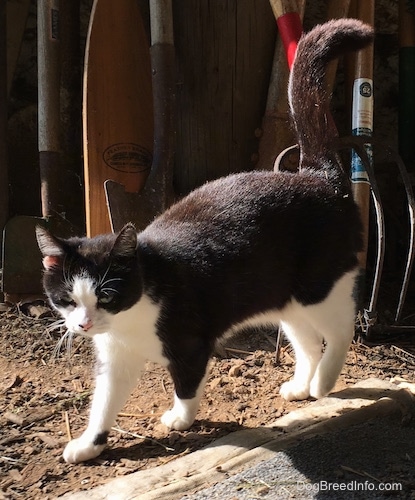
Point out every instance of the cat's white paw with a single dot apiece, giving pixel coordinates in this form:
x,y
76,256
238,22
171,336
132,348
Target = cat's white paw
x,y
173,420
293,391
80,450
320,389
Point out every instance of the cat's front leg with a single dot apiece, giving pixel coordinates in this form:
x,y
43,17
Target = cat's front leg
x,y
85,447
114,383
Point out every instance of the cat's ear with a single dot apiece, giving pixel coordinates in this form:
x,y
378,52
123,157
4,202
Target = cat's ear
x,y
50,247
126,242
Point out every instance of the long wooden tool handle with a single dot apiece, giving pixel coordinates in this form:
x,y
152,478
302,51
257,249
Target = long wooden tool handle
x,y
49,103
290,27
407,81
362,121
163,72
276,133
4,181
336,9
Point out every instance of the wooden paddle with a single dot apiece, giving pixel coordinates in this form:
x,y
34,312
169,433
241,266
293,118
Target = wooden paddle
x,y
117,107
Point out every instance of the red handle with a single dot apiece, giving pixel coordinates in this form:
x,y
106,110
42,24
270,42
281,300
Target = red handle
x,y
290,28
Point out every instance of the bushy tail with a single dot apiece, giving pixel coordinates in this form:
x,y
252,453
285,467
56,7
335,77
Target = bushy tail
x,y
309,102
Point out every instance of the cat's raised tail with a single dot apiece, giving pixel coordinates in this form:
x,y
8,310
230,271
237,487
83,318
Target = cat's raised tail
x,y
307,95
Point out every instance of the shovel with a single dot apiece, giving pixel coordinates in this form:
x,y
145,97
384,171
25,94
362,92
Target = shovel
x,y
140,208
21,257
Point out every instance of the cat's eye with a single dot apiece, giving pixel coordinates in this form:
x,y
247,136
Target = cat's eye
x,y
65,302
105,298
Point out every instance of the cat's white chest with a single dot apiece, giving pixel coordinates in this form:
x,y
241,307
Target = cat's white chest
x,y
134,331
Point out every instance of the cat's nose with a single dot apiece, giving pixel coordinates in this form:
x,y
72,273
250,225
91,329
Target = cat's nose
x,y
87,325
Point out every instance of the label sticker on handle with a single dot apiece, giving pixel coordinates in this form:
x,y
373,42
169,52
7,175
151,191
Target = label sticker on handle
x,y
362,124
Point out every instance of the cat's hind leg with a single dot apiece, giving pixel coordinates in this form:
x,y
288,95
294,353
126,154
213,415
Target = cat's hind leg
x,y
189,371
335,319
307,345
184,410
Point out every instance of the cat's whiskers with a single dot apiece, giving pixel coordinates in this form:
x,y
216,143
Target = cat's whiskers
x,y
56,325
101,279
103,283
105,288
108,289
67,340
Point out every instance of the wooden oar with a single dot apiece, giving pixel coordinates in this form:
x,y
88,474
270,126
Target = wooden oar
x,y
118,106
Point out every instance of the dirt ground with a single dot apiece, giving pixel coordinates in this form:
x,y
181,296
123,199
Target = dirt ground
x,y
45,397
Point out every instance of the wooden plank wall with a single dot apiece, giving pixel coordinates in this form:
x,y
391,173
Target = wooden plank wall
x,y
224,51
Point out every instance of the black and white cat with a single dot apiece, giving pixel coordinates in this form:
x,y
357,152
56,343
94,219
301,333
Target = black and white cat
x,y
257,247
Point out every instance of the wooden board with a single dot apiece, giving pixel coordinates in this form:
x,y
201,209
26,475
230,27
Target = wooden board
x,y
224,55
117,107
367,400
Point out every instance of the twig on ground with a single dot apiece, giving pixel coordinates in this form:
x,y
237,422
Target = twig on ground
x,y
403,354
271,340
363,473
169,459
286,353
68,425
238,351
139,415
163,385
139,436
